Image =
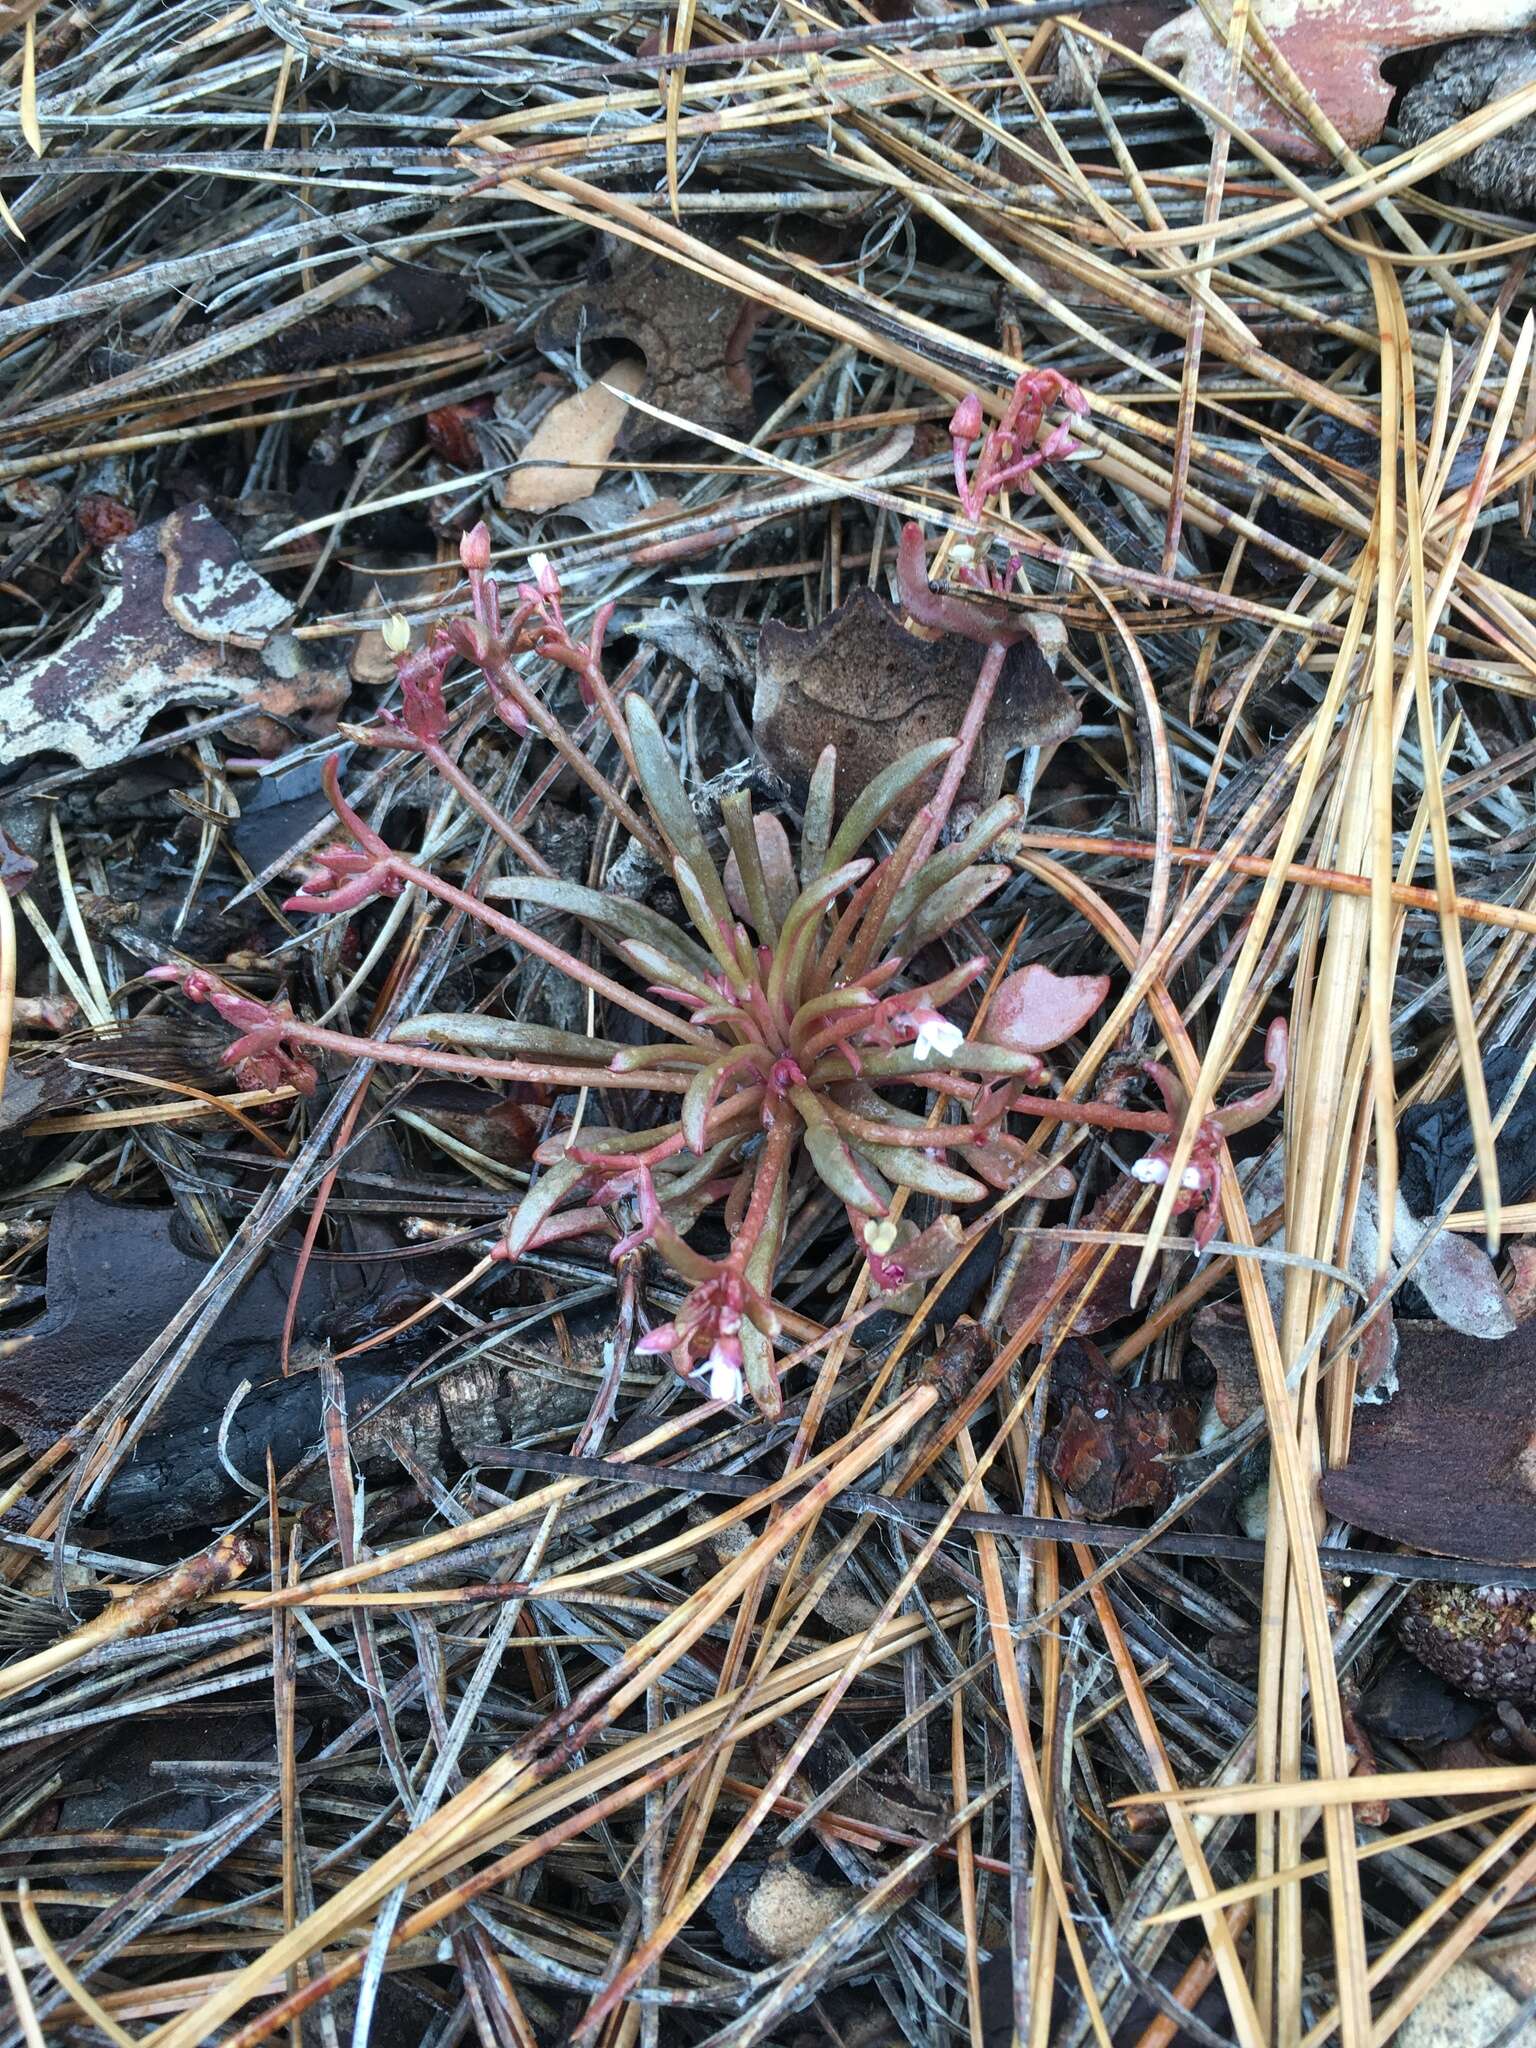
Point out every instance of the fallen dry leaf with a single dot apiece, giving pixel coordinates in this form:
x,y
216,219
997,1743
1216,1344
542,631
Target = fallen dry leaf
x,y
115,1277
1220,1329
1449,1463
188,622
405,585
1041,1266
691,333
859,682
451,432
1337,49
563,459
1110,1450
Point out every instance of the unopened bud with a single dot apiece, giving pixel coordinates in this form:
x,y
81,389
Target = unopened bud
x,y
968,419
396,631
475,548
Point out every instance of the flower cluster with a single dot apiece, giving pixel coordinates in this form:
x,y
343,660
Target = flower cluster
x,y
1012,450
1200,1182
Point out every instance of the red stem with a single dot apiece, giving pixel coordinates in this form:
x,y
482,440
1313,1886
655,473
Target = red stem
x,y
982,693
437,754
501,675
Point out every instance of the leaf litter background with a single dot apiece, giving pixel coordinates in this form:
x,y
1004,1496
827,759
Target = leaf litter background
x,y
1121,1739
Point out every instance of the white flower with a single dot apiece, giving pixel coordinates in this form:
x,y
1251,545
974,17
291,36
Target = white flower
x,y
935,1034
722,1377
1152,1170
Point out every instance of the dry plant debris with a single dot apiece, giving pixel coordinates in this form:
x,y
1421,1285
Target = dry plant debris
x,y
807,1339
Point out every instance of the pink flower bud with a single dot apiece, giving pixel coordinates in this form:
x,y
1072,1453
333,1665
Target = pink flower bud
x,y
968,420
475,549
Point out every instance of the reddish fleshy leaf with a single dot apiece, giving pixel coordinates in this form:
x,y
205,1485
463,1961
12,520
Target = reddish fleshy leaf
x,y
1337,49
1035,1009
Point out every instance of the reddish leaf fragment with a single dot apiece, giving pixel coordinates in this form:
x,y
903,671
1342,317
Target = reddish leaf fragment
x,y
1035,1009
1111,1296
103,519
1337,49
451,431
1109,1452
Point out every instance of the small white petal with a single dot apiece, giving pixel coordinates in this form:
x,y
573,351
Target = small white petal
x,y
539,564
1191,1178
1152,1170
725,1381
939,1036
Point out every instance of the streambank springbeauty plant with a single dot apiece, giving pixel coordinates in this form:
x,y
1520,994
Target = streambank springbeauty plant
x,y
794,1025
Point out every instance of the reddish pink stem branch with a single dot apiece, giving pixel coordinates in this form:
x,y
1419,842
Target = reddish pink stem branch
x,y
544,949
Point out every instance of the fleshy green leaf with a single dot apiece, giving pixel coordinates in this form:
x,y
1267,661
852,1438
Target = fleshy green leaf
x,y
943,866
877,797
610,912
850,1177
911,1167
501,1037
799,930
760,874
667,972
958,898
702,1092
541,1200
632,1059
690,1265
669,804
714,932
757,1368
970,1058
816,827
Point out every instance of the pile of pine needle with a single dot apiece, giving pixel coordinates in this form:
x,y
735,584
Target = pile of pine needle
x,y
893,1758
